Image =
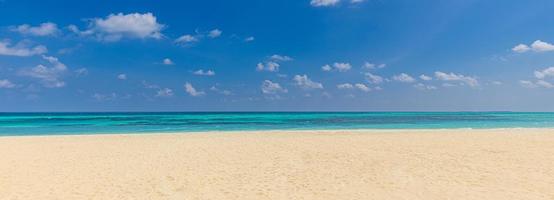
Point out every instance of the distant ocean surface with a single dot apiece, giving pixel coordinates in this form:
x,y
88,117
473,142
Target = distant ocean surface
x,y
106,123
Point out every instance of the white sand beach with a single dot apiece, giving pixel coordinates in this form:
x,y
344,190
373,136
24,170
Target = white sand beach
x,y
372,164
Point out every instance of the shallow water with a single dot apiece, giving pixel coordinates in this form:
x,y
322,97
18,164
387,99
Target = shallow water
x,y
100,123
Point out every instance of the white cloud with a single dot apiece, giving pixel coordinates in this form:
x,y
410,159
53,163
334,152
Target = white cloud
x,y
541,46
164,92
269,87
304,82
214,33
521,48
341,67
186,39
471,81
544,84
345,86
44,29
327,3
272,63
5,83
20,49
81,72
421,86
168,61
403,77
368,65
359,86
527,84
117,26
538,83
192,91
362,87
249,39
277,57
223,92
122,77
49,76
326,68
425,77
545,73
374,79
537,46
323,3
268,66
104,97
201,72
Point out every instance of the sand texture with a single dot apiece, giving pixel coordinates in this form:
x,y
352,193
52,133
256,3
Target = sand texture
x,y
395,164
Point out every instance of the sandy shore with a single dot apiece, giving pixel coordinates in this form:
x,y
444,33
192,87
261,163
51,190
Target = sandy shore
x,y
403,164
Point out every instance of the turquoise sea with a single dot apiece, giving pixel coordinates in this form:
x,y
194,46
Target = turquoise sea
x,y
103,123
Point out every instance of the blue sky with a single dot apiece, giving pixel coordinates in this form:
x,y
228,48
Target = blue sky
x,y
289,55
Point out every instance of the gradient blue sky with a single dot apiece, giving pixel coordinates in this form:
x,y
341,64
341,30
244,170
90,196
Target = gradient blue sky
x,y
288,55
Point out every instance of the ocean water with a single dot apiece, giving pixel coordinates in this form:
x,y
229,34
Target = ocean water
x,y
107,123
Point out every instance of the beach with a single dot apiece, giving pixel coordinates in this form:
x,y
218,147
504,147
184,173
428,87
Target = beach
x,y
332,164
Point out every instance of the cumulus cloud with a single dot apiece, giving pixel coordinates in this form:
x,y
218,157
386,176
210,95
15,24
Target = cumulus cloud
x,y
323,3
521,48
117,26
536,84
201,72
164,92
192,91
373,79
537,46
122,76
5,83
272,63
220,91
403,77
471,81
425,77
548,72
277,57
44,29
341,67
268,66
20,49
49,76
359,86
249,39
304,82
215,33
167,61
541,46
326,68
186,39
269,87
368,65
345,86
421,86
362,87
